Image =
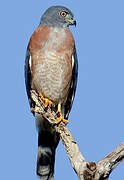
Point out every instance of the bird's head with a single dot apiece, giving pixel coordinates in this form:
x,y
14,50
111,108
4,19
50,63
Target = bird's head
x,y
58,16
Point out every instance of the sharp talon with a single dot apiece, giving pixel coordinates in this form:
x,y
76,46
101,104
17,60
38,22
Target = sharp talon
x,y
60,119
65,121
59,115
46,101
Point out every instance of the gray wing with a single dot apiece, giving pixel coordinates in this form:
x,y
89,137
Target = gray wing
x,y
73,86
28,76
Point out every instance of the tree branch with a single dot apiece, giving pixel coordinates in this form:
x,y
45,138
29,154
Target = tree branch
x,y
107,164
84,169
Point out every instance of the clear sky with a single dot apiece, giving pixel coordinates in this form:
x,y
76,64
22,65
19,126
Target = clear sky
x,y
97,116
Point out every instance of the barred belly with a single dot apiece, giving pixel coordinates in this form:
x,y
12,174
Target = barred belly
x,y
52,78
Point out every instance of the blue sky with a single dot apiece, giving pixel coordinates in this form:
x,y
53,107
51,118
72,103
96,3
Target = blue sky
x,y
97,116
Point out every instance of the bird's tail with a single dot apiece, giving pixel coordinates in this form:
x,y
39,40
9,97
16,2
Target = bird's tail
x,y
47,143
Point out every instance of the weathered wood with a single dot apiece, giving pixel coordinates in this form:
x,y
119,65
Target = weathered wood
x,y
85,170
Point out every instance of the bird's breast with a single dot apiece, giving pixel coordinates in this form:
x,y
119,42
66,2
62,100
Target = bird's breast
x,y
52,78
52,64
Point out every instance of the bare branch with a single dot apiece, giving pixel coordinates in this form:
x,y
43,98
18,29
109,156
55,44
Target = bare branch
x,y
84,169
77,160
107,164
75,157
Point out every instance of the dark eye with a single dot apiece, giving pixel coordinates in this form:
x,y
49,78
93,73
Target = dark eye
x,y
63,13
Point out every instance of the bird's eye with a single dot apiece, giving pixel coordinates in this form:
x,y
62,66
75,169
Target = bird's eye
x,y
63,13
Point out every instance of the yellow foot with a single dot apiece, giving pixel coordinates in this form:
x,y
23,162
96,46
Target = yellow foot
x,y
46,101
59,115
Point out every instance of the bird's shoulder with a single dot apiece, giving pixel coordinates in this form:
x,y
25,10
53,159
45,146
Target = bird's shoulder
x,y
39,37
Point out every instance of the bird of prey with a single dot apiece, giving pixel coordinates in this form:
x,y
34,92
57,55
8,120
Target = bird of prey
x,y
51,70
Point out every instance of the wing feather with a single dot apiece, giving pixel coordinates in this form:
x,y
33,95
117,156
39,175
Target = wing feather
x,y
73,86
27,69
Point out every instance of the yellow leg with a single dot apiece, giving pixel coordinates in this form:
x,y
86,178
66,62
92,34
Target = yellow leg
x,y
46,101
59,115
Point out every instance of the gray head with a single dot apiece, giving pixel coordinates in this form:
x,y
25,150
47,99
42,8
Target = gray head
x,y
58,16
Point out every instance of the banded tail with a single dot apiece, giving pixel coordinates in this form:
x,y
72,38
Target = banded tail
x,y
47,143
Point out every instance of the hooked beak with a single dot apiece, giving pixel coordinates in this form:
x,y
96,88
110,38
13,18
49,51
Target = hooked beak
x,y
72,22
75,23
